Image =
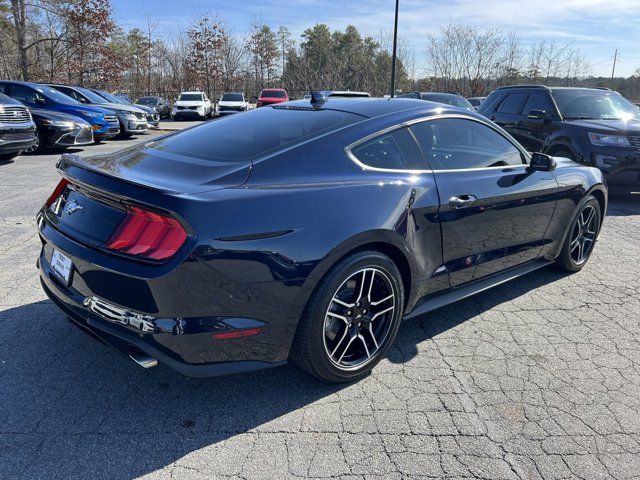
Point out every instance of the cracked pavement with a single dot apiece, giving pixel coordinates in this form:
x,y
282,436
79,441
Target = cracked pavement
x,y
537,378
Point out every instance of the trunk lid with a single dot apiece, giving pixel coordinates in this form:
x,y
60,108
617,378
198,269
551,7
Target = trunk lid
x,y
164,171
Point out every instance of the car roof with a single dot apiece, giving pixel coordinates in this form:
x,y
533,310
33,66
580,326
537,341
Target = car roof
x,y
370,107
192,91
278,89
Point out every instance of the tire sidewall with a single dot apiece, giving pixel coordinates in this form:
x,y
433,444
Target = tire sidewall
x,y
317,353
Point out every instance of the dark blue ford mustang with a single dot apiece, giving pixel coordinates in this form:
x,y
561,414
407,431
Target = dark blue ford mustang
x,y
304,232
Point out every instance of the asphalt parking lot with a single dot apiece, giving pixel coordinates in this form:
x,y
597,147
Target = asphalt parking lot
x,y
539,378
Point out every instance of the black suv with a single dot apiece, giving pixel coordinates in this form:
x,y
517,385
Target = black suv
x,y
592,126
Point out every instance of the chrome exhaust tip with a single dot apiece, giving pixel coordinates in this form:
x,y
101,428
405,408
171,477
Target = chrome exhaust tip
x,y
142,359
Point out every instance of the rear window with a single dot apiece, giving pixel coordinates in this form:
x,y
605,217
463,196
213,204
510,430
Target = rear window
x,y
253,135
273,94
232,97
191,97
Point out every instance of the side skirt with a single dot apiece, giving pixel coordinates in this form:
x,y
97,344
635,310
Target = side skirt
x,y
469,289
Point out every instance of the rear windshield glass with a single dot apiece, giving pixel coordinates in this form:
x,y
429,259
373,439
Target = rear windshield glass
x,y
273,94
232,97
447,99
191,97
149,101
253,135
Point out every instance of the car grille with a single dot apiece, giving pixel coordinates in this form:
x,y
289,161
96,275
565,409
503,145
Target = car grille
x,y
231,109
180,108
14,115
111,118
634,142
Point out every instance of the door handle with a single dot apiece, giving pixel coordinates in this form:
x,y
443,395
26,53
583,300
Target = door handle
x,y
461,201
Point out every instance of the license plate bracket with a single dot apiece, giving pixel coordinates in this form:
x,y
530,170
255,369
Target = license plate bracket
x,y
61,266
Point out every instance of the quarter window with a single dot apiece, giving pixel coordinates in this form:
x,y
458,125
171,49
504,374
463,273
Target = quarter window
x,y
396,150
513,103
455,143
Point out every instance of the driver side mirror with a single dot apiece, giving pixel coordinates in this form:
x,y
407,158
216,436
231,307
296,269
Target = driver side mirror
x,y
541,163
539,115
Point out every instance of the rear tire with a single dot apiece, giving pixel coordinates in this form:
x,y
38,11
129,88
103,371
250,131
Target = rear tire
x,y
578,245
351,319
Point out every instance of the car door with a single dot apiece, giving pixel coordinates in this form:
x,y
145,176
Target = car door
x,y
538,115
493,211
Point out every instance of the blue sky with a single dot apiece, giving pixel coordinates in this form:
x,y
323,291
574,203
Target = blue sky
x,y
597,27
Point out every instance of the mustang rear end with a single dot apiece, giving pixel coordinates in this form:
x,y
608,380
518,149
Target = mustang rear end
x,y
124,272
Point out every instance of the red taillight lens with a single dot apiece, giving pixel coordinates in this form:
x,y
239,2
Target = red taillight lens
x,y
148,235
57,192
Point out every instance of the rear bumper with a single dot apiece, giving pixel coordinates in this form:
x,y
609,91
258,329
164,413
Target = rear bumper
x,y
126,339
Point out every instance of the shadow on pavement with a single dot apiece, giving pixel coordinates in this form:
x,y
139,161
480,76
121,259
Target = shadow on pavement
x,y
71,407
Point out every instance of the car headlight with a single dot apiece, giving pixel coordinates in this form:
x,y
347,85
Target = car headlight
x,y
60,123
91,114
605,140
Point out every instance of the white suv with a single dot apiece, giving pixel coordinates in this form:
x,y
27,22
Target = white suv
x,y
231,102
192,104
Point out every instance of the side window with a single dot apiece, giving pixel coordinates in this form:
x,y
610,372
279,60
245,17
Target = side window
x,y
24,94
72,93
456,143
537,101
393,150
513,103
4,89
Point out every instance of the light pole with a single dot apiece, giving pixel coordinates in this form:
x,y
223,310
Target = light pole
x,y
393,57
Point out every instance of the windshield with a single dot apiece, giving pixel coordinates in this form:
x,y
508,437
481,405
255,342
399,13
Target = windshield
x,y
93,97
190,97
273,94
447,99
243,138
594,105
232,97
148,101
111,98
56,95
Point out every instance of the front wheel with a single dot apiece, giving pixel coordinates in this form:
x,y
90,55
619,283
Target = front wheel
x,y
581,239
351,319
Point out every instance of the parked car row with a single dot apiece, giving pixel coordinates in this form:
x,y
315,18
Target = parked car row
x,y
35,117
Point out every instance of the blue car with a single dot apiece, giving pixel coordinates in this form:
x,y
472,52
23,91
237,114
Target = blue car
x,y
304,231
103,121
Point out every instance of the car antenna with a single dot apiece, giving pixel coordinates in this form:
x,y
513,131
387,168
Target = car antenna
x,y
318,99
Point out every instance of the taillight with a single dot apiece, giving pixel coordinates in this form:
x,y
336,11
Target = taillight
x,y
57,191
147,234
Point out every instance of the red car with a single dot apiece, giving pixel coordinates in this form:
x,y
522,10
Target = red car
x,y
269,96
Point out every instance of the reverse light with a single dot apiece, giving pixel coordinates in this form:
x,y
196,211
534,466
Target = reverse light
x,y
57,192
147,234
605,140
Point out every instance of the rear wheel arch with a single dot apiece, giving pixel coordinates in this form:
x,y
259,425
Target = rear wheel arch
x,y
386,242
